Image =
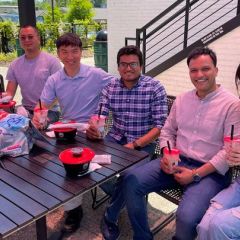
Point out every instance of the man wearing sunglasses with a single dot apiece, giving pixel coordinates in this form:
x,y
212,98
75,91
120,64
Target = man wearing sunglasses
x,y
31,70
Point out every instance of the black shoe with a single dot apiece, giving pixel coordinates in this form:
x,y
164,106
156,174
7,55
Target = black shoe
x,y
73,219
110,231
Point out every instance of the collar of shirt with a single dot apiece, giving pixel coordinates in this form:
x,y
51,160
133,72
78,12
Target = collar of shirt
x,y
140,82
210,95
81,74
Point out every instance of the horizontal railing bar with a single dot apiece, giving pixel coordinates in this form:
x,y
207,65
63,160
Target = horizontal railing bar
x,y
165,29
162,14
168,20
211,23
164,46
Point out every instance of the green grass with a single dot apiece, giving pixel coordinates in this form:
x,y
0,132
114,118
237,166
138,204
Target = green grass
x,y
7,58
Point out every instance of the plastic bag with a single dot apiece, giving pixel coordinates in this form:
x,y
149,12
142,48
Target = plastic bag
x,y
15,134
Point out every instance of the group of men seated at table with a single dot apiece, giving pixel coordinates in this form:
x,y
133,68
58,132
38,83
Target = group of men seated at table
x,y
198,121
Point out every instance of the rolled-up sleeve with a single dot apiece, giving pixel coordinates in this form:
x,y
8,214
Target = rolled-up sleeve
x,y
159,106
232,118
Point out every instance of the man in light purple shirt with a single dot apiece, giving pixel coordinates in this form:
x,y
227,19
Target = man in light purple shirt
x,y
31,70
197,124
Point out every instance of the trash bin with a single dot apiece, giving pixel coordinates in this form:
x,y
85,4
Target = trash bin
x,y
20,51
100,50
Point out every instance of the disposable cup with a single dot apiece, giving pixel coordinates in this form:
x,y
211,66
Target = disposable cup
x,y
99,122
172,157
42,116
234,144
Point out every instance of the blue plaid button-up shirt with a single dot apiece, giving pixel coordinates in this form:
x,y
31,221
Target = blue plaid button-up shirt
x,y
135,111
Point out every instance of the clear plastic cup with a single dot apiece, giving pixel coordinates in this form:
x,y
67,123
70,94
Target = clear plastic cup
x,y
235,146
99,122
172,157
42,116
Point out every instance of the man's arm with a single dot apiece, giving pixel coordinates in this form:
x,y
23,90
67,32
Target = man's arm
x,y
149,137
11,88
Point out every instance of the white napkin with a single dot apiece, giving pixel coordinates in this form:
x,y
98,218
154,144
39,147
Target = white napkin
x,y
50,134
79,126
92,167
102,159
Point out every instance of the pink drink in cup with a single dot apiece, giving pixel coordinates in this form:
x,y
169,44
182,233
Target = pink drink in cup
x,y
42,116
172,157
99,122
235,145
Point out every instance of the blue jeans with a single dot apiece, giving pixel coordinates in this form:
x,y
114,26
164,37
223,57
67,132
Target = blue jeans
x,y
222,219
109,186
135,184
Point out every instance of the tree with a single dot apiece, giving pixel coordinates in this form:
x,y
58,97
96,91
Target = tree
x,y
58,15
80,10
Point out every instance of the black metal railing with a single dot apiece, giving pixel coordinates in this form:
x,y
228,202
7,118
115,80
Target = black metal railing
x,y
182,26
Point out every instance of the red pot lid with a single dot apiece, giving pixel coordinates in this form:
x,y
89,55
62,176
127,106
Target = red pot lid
x,y
67,156
8,105
62,130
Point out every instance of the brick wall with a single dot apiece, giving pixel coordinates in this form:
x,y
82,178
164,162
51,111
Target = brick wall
x,y
124,16
176,79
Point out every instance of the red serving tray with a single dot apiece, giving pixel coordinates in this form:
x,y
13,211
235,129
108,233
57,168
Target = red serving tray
x,y
8,105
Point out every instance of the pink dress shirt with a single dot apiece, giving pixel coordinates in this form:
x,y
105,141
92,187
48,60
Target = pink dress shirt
x,y
197,126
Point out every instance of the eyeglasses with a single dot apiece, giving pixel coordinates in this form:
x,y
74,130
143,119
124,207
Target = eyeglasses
x,y
29,37
131,65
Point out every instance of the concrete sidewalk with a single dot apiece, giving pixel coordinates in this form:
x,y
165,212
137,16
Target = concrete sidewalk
x,y
89,229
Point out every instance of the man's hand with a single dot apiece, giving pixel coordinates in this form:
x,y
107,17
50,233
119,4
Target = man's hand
x,y
183,175
165,166
36,122
129,145
92,132
233,157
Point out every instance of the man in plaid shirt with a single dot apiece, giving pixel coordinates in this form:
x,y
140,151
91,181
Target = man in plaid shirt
x,y
138,104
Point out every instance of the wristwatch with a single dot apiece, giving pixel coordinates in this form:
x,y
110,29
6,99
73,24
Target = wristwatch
x,y
196,176
136,146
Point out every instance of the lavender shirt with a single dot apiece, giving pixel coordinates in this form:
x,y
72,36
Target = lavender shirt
x,y
31,76
197,126
78,96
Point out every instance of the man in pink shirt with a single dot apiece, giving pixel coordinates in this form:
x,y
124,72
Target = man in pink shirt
x,y
197,124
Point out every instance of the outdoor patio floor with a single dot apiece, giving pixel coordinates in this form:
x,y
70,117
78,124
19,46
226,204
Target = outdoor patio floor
x,y
89,229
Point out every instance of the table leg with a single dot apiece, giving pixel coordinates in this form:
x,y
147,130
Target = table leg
x,y
41,228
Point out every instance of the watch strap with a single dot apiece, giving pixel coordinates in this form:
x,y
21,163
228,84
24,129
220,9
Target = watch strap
x,y
136,146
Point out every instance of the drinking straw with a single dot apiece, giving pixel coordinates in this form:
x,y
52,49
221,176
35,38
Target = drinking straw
x,y
169,148
40,104
100,111
232,132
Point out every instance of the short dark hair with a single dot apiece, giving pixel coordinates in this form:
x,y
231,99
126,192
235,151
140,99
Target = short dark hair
x,y
202,51
27,26
237,79
130,50
69,39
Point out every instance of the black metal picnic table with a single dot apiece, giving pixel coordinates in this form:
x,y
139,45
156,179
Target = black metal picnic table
x,y
33,185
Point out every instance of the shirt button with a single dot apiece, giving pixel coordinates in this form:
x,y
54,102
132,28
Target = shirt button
x,y
194,131
128,100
